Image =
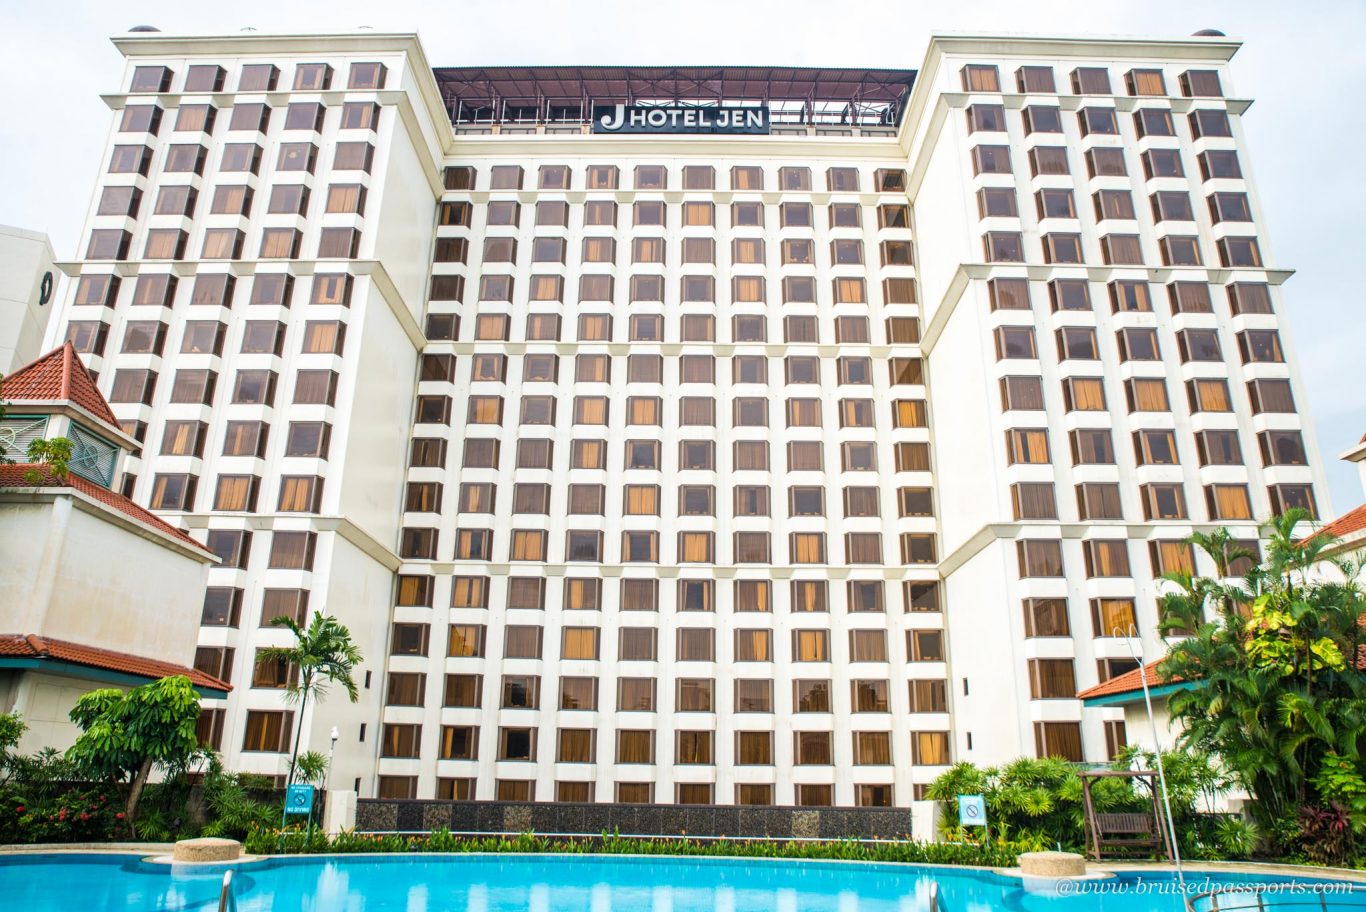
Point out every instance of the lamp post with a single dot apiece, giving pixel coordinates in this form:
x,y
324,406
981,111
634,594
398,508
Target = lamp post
x,y
327,774
1129,638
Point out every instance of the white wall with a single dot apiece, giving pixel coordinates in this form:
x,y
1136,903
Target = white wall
x,y
25,257
97,583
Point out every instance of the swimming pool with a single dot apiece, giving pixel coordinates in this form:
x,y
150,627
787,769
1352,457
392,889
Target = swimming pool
x,y
547,883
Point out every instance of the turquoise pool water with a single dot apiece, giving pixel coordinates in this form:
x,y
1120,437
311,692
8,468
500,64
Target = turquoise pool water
x,y
541,883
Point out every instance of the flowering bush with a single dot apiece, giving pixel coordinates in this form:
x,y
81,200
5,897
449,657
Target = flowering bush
x,y
75,814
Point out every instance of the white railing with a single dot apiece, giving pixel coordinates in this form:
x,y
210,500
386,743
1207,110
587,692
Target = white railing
x,y
227,902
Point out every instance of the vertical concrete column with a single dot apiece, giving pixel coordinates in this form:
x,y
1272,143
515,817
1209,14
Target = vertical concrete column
x,y
341,811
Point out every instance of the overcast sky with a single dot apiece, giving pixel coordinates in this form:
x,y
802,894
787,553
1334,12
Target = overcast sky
x,y
1301,62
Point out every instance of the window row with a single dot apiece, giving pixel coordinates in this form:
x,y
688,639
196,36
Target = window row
x,y
655,213
241,158
1095,446
202,118
1166,205
1107,161
648,411
641,644
1160,501
684,793
1090,80
1148,394
1041,558
1099,121
636,594
587,545
183,200
1140,343
692,289
1122,249
579,745
257,77
250,387
839,179
268,289
637,694
651,368
690,251
1131,296
747,455
196,386
222,244
646,500
701,328
207,337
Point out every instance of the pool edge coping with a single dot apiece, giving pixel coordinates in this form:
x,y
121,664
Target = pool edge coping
x,y
147,851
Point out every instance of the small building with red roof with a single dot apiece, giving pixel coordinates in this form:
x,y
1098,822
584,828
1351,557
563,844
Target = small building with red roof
x,y
98,591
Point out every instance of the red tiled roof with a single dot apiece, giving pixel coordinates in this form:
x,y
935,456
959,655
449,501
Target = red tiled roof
x,y
1127,683
1346,524
12,476
32,646
59,376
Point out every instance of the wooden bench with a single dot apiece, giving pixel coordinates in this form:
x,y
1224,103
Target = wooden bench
x,y
1127,830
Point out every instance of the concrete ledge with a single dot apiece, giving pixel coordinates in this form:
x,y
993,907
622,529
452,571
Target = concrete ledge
x,y
206,850
121,848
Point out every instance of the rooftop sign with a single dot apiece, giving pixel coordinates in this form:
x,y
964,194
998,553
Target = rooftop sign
x,y
622,118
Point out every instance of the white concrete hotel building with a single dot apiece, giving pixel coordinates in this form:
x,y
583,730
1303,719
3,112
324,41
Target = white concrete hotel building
x,y
773,467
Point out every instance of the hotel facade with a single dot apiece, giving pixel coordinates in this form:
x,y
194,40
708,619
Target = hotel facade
x,y
741,435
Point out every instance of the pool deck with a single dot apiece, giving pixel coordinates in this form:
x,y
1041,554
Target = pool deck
x,y
1093,868
85,848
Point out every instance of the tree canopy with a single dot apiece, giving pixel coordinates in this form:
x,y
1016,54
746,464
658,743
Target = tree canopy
x,y
1278,695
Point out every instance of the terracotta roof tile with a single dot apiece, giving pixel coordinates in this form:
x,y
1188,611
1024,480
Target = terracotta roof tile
x,y
59,376
1127,683
32,646
12,476
1346,524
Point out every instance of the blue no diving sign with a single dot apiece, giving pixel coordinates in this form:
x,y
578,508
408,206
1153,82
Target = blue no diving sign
x,y
299,799
972,810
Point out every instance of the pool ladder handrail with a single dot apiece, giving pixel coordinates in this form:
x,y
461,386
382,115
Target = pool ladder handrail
x,y
934,896
1258,901
227,901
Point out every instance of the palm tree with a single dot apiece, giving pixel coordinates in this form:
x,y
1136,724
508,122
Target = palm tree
x,y
1273,656
323,654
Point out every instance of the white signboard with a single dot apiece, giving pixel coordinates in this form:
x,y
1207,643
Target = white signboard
x,y
972,810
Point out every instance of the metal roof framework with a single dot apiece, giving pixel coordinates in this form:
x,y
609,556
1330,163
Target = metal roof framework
x,y
555,94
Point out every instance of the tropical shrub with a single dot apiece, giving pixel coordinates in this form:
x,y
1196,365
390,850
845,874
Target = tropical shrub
x,y
1326,834
233,813
40,803
1278,696
999,853
124,735
1031,798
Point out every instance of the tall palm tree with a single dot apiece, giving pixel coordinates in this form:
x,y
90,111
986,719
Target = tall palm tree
x,y
323,654
1274,656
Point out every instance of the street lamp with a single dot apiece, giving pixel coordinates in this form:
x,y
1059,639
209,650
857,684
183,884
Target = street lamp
x,y
327,774
1130,636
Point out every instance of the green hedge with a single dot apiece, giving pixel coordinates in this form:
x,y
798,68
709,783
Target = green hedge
x,y
997,854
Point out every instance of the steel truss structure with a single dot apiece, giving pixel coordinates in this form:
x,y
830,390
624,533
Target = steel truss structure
x,y
808,96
